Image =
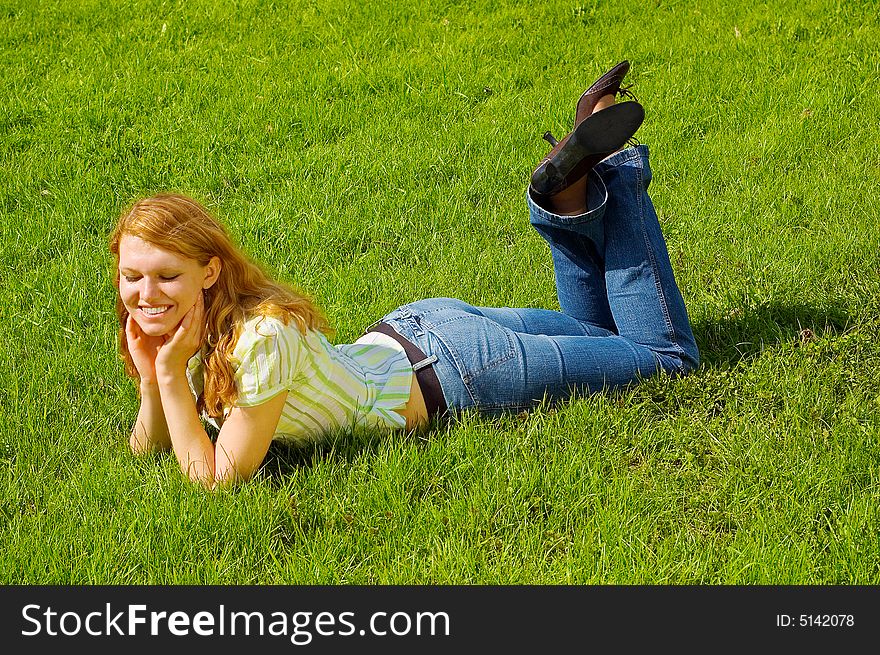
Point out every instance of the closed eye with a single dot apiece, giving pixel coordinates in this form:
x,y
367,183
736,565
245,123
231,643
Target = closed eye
x,y
164,278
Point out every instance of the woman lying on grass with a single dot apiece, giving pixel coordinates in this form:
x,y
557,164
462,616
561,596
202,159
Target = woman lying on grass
x,y
206,332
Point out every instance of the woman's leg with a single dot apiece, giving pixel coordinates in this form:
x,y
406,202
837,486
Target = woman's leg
x,y
623,317
644,298
484,363
577,247
611,261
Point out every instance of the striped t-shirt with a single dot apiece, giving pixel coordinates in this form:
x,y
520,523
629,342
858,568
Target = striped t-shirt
x,y
329,387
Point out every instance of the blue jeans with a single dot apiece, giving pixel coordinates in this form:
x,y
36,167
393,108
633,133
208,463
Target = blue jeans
x,y
622,319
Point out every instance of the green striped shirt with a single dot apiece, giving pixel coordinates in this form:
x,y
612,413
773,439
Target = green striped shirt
x,y
329,387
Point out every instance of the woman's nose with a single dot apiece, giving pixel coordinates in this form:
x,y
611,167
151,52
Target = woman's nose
x,y
149,290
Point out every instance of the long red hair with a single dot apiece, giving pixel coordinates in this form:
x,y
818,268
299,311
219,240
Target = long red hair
x,y
181,225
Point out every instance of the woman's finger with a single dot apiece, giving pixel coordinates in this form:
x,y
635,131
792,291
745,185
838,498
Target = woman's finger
x,y
130,328
188,328
188,317
195,317
200,312
199,308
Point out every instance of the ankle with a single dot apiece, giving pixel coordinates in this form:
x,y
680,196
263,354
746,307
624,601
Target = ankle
x,y
571,201
604,102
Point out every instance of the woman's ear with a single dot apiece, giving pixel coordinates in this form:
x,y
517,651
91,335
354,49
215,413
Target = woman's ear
x,y
212,272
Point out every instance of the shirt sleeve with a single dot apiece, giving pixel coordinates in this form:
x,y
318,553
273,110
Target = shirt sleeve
x,y
268,352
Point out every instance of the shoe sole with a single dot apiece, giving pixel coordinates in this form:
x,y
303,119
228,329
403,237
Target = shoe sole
x,y
596,137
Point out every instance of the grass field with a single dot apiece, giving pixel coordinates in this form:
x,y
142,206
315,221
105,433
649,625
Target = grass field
x,y
377,153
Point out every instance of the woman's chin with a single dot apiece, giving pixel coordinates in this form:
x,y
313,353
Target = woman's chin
x,y
153,328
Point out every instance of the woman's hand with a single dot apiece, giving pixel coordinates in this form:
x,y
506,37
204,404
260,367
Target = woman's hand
x,y
182,342
143,350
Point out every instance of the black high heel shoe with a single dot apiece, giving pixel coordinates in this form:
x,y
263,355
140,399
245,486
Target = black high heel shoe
x,y
594,138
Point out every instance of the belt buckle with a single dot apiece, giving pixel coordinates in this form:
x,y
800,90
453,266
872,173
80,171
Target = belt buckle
x,y
427,361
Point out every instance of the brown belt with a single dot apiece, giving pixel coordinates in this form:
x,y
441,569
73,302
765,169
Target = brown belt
x,y
423,369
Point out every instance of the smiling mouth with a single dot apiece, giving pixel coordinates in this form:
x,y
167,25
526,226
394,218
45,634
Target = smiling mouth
x,y
154,311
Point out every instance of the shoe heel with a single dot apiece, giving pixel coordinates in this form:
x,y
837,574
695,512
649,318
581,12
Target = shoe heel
x,y
549,138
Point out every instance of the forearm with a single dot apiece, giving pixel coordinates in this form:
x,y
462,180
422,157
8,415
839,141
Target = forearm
x,y
192,447
150,432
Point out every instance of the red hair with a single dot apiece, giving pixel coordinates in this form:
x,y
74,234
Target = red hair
x,y
180,225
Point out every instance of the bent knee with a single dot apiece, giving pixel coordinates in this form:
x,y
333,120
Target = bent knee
x,y
683,364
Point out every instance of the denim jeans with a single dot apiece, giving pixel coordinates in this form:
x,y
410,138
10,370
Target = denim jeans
x,y
622,319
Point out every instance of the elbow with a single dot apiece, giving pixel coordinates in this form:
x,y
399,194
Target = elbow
x,y
135,445
228,475
218,485
212,475
199,471
227,479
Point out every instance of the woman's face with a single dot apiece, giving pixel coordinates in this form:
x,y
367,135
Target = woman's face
x,y
159,287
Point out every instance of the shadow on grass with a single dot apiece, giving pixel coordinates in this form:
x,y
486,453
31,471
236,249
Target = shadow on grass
x,y
744,333
284,458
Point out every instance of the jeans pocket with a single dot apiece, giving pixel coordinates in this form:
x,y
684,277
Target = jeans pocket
x,y
475,343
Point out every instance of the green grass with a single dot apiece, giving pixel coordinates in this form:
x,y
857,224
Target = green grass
x,y
377,153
